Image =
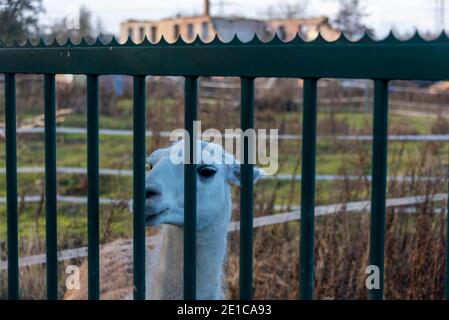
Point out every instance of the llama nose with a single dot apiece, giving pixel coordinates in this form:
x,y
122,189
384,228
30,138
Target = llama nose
x,y
151,192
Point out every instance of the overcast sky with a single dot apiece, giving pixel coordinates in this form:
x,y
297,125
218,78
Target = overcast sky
x,y
403,15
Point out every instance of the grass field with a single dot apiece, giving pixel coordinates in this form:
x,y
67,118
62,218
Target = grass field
x,y
333,157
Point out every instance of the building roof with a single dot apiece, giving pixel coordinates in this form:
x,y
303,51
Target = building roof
x,y
228,18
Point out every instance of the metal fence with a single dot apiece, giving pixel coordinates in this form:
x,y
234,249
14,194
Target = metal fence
x,y
389,59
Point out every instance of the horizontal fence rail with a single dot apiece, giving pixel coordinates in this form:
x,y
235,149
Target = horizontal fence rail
x,y
350,207
126,202
280,176
364,59
380,61
166,134
277,177
283,217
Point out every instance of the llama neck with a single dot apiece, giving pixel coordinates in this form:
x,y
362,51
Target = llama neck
x,y
167,280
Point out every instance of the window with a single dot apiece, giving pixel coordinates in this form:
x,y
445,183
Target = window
x,y
303,29
282,33
130,32
190,30
176,31
205,30
141,33
153,34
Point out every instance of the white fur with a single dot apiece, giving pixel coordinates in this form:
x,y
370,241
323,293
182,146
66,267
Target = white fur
x,y
165,280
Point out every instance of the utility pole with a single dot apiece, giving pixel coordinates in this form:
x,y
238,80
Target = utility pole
x,y
206,8
440,14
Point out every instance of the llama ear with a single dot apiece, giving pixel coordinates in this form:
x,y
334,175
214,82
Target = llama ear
x,y
234,174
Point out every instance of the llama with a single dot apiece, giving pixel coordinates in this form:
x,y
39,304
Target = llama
x,y
165,209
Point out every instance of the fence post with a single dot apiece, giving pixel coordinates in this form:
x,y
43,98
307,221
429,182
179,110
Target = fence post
x,y
446,291
50,187
139,244
190,186
11,186
93,191
309,119
379,183
246,191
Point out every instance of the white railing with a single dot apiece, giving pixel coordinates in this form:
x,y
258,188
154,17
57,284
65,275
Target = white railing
x,y
353,207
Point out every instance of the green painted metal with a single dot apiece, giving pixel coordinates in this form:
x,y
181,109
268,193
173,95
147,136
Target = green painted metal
x,y
11,186
190,187
308,159
246,192
366,58
50,187
389,59
379,183
139,187
446,291
93,190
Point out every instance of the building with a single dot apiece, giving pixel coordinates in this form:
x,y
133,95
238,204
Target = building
x,y
207,26
308,28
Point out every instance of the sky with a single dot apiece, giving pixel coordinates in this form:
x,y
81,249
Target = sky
x,y
401,15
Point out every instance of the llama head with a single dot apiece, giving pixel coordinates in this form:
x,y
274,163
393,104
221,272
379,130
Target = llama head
x,y
165,185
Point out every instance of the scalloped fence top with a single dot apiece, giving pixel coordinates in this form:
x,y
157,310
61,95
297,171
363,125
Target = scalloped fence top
x,y
391,38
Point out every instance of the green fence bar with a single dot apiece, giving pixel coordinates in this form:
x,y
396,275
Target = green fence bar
x,y
11,186
446,291
379,183
50,187
190,198
309,119
139,187
93,192
246,192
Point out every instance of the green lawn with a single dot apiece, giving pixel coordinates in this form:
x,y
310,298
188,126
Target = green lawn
x,y
333,157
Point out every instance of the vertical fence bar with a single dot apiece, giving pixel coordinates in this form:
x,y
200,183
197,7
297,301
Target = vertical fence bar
x,y
246,192
93,192
139,187
446,291
190,197
306,270
11,186
379,183
50,187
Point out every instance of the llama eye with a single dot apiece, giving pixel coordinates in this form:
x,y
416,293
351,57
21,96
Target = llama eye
x,y
207,171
